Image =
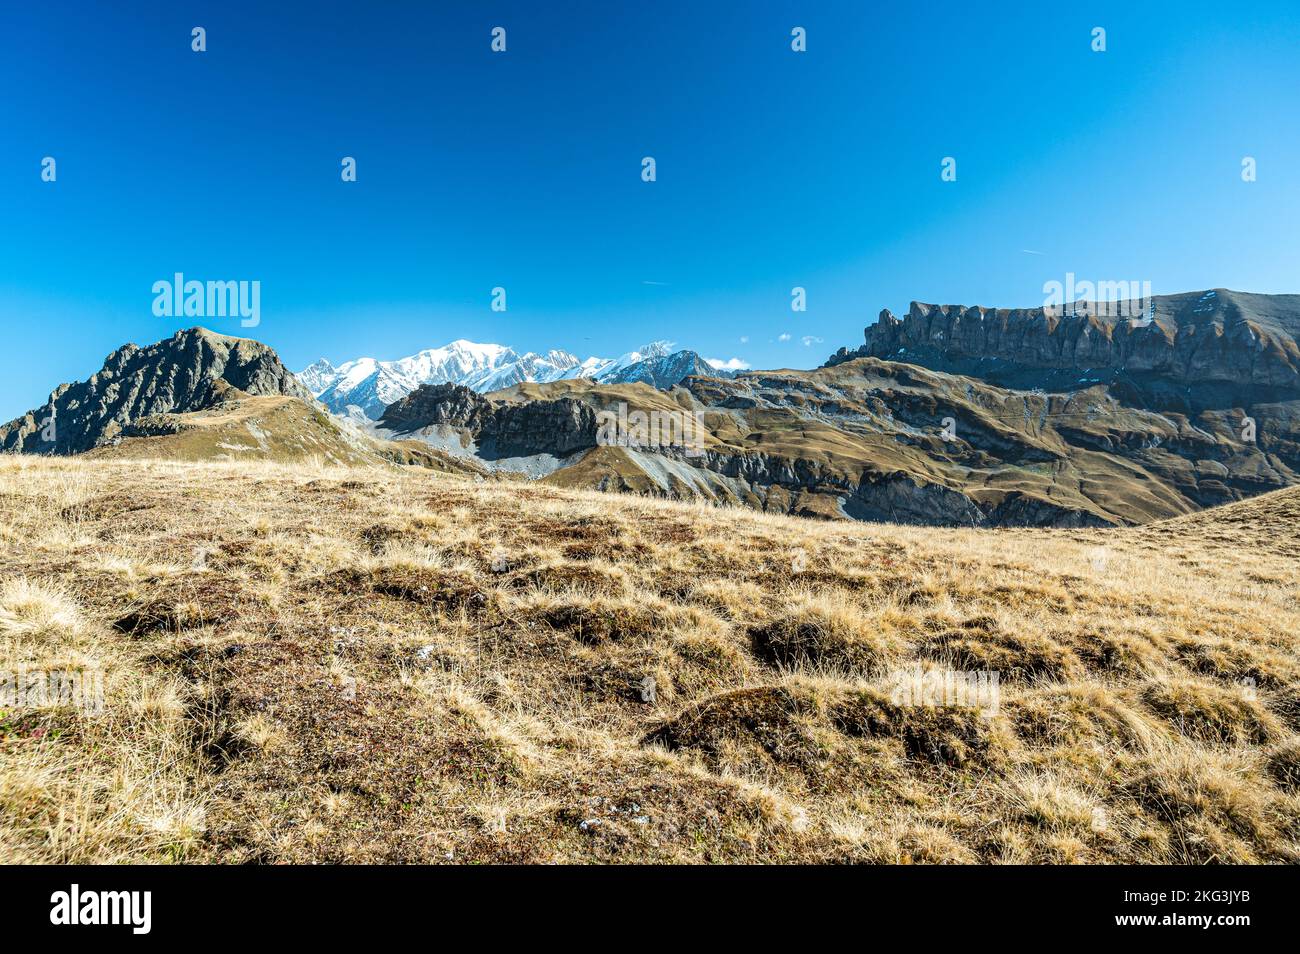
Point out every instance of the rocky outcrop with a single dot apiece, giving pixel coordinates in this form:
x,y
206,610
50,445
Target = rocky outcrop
x,y
190,371
890,497
435,404
557,427
1217,336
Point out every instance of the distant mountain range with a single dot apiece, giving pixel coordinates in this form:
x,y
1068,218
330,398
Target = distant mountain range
x,y
952,415
364,387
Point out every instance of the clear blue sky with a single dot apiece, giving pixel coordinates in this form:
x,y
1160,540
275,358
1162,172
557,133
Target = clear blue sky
x,y
522,169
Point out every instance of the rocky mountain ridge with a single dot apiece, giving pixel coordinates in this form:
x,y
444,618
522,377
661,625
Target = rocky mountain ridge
x,y
499,429
1234,345
190,371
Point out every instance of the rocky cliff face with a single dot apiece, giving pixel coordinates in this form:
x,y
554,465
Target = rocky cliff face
x,y
437,404
1212,337
556,427
190,371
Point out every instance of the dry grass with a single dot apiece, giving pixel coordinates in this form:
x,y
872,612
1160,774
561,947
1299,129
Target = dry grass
x,y
313,664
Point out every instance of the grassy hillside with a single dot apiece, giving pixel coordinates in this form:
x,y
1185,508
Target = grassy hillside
x,y
268,428
311,663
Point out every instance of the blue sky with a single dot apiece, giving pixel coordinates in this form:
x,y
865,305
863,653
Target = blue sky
x,y
522,169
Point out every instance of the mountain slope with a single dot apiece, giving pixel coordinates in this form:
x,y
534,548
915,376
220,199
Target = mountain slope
x,y
1259,529
281,429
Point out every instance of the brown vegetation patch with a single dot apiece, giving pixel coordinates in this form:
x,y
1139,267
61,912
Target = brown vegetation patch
x,y
1077,714
105,506
768,719
190,604
1286,703
1237,661
950,736
565,575
822,630
1209,712
1014,656
1127,654
1215,809
448,590
598,620
1284,766
378,537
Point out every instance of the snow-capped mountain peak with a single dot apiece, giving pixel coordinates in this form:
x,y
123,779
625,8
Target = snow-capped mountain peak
x,y
318,375
363,387
455,361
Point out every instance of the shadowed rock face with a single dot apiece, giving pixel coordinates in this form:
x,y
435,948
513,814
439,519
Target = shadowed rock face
x,y
1218,337
190,371
437,404
555,427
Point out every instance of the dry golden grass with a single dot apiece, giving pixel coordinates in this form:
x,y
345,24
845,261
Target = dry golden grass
x,y
314,664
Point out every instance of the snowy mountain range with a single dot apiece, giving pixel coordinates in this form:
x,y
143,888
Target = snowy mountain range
x,y
362,388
